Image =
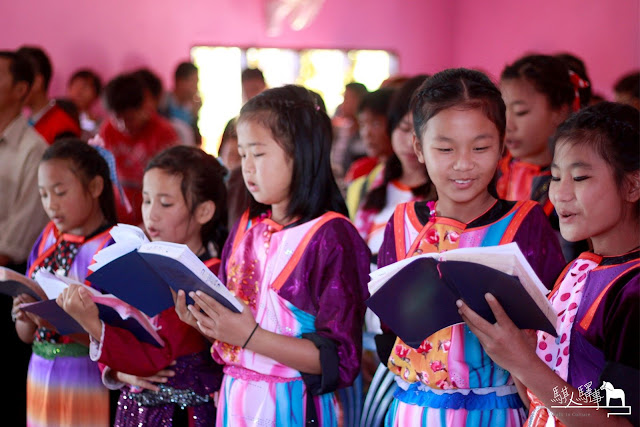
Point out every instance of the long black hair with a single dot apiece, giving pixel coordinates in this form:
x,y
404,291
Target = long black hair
x,y
202,180
299,124
87,164
376,199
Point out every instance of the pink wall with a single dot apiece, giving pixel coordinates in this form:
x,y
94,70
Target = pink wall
x,y
604,33
115,35
428,35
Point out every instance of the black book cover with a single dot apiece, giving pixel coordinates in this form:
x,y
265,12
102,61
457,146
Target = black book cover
x,y
420,299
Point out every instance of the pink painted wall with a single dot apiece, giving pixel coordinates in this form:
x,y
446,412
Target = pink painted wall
x,y
116,35
604,33
428,35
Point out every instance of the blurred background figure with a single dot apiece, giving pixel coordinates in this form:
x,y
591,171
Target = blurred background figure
x,y
252,83
182,104
84,89
49,119
627,89
347,144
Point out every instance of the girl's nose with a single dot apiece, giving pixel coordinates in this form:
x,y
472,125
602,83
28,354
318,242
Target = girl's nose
x,y
463,161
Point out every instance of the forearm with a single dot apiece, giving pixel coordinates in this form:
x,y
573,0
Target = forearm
x,y
25,330
301,354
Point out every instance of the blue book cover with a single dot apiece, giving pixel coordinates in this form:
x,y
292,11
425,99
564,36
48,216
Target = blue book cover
x,y
65,324
145,281
134,281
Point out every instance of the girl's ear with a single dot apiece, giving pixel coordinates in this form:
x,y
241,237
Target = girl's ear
x,y
417,147
96,185
204,212
632,191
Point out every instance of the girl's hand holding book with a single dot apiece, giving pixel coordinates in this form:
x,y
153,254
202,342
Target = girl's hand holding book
x,y
20,315
217,322
180,301
511,348
77,302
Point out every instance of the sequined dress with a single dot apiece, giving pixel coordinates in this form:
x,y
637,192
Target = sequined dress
x,y
305,281
197,376
63,384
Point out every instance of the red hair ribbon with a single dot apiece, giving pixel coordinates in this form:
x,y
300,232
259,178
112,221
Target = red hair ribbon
x,y
578,83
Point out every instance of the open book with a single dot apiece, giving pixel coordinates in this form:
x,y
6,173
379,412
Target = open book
x,y
143,273
13,284
112,310
416,297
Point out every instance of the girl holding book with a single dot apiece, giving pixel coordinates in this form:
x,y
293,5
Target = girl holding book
x,y
184,201
300,268
595,187
63,383
459,124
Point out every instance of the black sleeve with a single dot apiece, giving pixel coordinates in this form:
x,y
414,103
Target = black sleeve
x,y
384,345
326,382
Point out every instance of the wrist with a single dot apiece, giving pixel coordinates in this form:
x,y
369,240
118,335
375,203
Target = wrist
x,y
253,332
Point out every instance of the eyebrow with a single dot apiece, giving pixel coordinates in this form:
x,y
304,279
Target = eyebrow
x,y
443,138
250,144
159,194
57,184
574,165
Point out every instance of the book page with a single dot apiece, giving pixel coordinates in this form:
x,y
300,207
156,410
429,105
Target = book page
x,y
53,284
127,238
15,283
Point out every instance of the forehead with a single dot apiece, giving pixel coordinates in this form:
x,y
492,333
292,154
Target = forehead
x,y
570,152
56,169
162,179
462,122
520,90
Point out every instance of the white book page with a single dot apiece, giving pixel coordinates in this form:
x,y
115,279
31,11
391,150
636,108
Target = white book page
x,y
53,285
127,238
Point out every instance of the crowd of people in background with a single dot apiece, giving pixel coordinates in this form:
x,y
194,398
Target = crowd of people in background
x,y
293,213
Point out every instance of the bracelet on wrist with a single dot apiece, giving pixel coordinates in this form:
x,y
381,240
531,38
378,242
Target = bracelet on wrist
x,y
250,335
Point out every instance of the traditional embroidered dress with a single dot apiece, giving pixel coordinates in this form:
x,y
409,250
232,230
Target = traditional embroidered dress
x,y
63,383
597,301
191,389
450,380
306,281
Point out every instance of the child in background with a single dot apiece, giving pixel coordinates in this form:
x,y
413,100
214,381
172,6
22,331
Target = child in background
x,y
539,95
300,267
627,89
595,188
402,179
374,132
459,122
63,383
184,201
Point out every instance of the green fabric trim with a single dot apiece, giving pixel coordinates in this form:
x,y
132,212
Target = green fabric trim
x,y
48,350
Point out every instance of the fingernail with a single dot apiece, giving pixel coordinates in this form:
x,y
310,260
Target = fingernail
x,y
489,297
459,303
191,294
